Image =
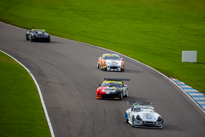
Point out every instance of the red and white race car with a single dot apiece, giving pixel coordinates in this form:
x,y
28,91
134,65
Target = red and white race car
x,y
112,88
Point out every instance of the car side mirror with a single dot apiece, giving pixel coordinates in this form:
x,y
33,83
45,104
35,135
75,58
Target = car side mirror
x,y
124,85
121,58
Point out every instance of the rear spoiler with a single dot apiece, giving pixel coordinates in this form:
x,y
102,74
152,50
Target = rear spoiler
x,y
37,29
139,103
116,79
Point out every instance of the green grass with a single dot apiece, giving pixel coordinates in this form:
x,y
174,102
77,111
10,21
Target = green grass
x,y
21,111
154,32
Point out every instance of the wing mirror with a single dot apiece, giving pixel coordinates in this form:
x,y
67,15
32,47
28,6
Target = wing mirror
x,y
124,85
121,58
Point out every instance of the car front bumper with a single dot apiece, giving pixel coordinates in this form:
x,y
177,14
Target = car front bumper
x,y
115,95
113,68
151,124
41,38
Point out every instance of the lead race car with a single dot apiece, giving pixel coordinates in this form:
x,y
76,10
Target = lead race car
x,y
110,62
37,34
142,114
112,88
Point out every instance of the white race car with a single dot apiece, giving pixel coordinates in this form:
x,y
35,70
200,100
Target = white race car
x,y
111,62
142,114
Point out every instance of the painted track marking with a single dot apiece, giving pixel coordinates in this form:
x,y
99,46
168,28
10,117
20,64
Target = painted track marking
x,y
40,94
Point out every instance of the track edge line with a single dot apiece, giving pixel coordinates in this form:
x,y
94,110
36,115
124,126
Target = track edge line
x,y
39,92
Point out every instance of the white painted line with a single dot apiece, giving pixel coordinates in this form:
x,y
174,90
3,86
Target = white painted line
x,y
193,94
190,90
180,83
185,86
199,98
40,94
201,102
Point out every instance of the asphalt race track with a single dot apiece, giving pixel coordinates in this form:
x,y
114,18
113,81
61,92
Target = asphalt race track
x,y
67,74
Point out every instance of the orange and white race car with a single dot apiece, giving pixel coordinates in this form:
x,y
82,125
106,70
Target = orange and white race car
x,y
110,62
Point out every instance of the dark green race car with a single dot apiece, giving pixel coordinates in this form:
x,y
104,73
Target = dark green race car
x,y
37,35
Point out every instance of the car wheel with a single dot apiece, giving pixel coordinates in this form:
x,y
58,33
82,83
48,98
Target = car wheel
x,y
104,69
133,121
97,65
27,37
101,67
31,39
126,118
126,95
48,40
121,96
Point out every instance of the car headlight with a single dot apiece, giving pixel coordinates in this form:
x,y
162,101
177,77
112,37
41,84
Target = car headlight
x,y
138,117
159,119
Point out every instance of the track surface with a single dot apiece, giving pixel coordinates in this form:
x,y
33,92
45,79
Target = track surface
x,y
68,77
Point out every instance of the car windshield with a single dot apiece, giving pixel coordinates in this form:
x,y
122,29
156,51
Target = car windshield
x,y
112,84
38,32
143,109
137,109
107,57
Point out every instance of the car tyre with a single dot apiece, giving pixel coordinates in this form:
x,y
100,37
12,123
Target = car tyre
x,y
126,95
133,121
31,39
97,65
27,37
121,96
126,118
101,67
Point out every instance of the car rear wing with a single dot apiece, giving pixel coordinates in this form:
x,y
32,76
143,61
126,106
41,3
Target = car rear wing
x,y
116,79
37,29
139,103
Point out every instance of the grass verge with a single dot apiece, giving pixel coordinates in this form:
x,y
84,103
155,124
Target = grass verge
x,y
154,32
21,111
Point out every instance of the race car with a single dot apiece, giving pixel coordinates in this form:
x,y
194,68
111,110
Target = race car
x,y
142,114
112,88
37,34
110,62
